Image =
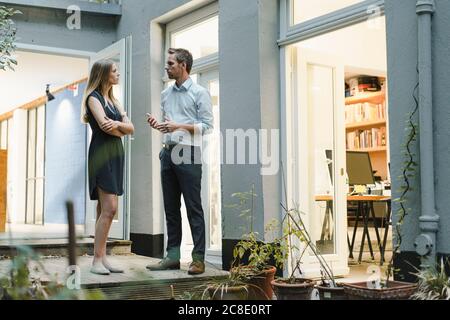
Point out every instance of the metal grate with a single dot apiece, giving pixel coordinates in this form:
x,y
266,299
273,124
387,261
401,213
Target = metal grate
x,y
153,291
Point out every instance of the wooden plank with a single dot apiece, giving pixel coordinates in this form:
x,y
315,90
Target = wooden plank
x,y
3,182
372,97
377,149
6,116
365,124
354,198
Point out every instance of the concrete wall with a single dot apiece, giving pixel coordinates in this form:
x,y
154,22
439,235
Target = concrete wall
x,y
48,27
249,76
136,21
249,80
145,22
403,77
441,96
65,158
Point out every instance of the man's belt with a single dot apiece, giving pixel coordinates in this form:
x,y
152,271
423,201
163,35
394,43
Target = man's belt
x,y
169,146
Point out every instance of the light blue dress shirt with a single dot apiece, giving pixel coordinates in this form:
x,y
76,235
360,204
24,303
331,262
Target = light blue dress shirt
x,y
188,104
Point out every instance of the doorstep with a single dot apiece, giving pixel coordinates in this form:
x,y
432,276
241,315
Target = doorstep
x,y
59,247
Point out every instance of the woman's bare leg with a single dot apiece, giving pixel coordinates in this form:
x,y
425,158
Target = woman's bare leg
x,y
108,205
99,210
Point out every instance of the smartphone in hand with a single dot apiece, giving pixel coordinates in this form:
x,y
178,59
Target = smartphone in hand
x,y
152,121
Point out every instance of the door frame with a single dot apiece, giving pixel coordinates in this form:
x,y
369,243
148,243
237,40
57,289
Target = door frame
x,y
121,230
208,76
290,34
212,255
291,147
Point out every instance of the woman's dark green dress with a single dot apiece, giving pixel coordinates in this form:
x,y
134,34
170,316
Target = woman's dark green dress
x,y
106,154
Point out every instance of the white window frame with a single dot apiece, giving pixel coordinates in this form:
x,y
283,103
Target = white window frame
x,y
359,12
204,63
290,34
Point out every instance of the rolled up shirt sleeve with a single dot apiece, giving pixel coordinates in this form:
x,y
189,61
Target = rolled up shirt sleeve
x,y
205,123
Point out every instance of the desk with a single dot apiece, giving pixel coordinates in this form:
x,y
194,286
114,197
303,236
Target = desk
x,y
365,209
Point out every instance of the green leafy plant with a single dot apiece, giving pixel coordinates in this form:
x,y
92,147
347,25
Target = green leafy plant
x,y
8,33
20,285
434,283
235,286
252,245
294,235
259,252
408,171
221,287
296,241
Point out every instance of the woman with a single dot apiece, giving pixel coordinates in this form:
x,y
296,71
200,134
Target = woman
x,y
109,123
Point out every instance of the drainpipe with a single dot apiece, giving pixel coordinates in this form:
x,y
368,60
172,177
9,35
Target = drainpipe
x,y
429,220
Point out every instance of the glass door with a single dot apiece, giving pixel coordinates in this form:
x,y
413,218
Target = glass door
x,y
211,181
120,54
319,152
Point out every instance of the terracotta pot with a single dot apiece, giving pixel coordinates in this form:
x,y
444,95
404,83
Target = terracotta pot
x,y
328,293
300,290
230,293
396,290
260,287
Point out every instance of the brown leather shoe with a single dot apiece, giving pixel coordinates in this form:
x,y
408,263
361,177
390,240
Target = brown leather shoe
x,y
196,267
165,264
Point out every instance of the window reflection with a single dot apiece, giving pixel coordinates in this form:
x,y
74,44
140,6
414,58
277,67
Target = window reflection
x,y
304,10
202,46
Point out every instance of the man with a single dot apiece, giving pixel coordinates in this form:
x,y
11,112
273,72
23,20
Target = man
x,y
187,112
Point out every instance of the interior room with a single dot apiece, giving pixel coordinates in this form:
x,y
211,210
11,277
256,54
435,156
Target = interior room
x,y
340,103
36,137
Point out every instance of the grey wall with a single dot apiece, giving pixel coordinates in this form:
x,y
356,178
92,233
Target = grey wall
x,y
136,21
65,158
240,95
441,96
249,77
402,76
402,64
47,27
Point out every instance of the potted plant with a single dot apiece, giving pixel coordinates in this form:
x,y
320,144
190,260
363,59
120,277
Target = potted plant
x,y
434,284
261,258
234,287
293,288
258,271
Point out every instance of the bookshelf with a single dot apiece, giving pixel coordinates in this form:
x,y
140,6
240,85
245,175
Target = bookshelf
x,y
370,150
371,97
365,127
366,124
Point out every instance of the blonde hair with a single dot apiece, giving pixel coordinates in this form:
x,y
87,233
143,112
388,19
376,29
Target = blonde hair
x,y
99,80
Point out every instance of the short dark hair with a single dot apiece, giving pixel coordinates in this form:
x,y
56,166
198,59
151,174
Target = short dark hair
x,y
183,55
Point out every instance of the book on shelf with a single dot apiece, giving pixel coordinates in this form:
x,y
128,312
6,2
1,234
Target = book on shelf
x,y
366,139
364,112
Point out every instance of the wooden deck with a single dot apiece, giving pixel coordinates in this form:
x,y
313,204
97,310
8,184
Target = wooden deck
x,y
136,283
